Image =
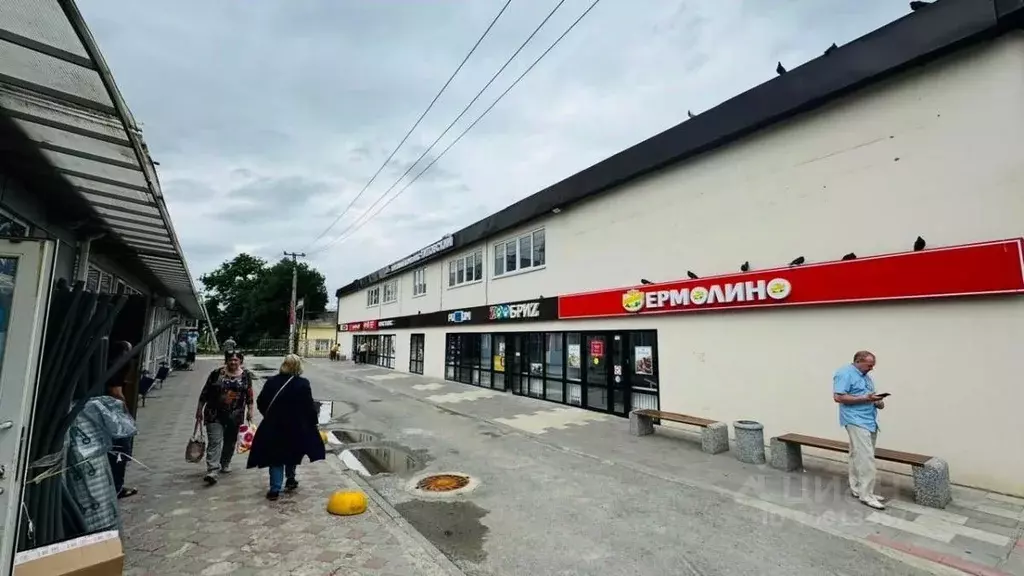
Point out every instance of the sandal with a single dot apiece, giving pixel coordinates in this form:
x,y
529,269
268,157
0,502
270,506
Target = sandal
x,y
127,493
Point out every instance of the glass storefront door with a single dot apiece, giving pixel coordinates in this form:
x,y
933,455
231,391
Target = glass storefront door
x,y
25,279
417,342
596,372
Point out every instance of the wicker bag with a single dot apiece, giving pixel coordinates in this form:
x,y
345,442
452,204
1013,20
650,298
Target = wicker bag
x,y
195,450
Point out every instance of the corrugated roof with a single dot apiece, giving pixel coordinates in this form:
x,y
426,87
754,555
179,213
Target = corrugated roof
x,y
55,85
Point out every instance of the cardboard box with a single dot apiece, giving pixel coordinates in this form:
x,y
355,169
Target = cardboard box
x,y
94,555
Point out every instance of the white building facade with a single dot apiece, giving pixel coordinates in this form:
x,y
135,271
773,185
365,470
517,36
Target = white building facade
x,y
582,293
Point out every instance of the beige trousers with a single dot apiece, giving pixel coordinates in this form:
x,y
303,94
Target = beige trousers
x,y
862,460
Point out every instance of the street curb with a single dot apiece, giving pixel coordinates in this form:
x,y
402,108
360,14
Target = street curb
x,y
903,556
381,503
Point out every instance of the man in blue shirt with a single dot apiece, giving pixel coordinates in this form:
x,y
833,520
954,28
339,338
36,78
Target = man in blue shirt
x,y
854,391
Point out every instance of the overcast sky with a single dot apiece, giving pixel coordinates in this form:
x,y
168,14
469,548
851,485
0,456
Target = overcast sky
x,y
268,117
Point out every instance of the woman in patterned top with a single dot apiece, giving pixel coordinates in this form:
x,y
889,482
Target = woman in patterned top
x,y
226,400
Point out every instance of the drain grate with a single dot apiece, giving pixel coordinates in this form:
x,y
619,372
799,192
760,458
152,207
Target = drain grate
x,y
442,483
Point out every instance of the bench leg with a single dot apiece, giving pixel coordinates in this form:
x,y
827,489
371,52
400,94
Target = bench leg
x,y
785,455
714,439
931,484
640,425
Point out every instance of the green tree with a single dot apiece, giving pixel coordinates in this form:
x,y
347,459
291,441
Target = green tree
x,y
248,300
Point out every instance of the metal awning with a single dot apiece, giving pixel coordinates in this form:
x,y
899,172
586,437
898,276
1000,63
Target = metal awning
x,y
55,85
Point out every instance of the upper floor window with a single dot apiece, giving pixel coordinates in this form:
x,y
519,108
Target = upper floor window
x,y
525,252
373,296
419,282
391,292
466,269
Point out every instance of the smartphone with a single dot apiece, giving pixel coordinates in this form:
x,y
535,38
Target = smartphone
x,y
883,395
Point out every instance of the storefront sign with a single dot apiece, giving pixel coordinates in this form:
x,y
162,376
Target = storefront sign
x,y
386,324
976,269
596,348
459,316
437,247
514,311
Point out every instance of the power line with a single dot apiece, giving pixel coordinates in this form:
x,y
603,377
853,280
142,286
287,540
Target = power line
x,y
415,125
457,118
355,228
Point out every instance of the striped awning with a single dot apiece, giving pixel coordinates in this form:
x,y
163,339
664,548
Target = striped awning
x,y
56,86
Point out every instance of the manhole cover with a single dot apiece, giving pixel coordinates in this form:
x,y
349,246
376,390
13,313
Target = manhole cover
x,y
442,483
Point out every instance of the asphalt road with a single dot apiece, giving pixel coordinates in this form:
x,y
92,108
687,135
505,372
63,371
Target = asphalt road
x,y
540,510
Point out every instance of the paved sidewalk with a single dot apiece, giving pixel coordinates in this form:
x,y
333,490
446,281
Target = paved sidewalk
x,y
177,525
979,533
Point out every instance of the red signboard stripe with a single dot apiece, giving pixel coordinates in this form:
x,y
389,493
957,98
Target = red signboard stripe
x,y
975,269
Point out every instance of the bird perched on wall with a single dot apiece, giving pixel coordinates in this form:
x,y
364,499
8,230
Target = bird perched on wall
x,y
850,256
690,114
919,244
645,281
917,5
691,275
745,267
780,69
831,49
797,261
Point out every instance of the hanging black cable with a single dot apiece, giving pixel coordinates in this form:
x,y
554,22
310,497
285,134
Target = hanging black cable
x,y
354,227
415,124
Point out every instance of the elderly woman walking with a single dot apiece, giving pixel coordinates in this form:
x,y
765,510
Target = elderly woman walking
x,y
226,399
289,428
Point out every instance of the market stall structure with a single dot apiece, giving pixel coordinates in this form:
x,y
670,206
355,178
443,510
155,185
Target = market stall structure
x,y
80,203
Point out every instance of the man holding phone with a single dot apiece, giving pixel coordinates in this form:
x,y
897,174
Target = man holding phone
x,y
854,391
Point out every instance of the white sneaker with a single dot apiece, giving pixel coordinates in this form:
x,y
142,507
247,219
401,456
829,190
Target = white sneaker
x,y
873,503
878,497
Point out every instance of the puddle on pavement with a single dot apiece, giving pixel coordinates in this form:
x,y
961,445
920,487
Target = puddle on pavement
x,y
454,527
382,460
329,411
348,436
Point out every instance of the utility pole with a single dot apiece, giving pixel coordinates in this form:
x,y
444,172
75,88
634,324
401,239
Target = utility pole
x,y
291,312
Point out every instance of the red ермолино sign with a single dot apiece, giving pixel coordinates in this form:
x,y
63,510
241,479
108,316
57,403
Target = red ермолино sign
x,y
970,270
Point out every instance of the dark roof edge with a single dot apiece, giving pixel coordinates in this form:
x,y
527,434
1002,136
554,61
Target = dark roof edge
x,y
927,34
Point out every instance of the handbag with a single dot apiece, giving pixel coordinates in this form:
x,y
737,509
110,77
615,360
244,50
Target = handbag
x,y
195,450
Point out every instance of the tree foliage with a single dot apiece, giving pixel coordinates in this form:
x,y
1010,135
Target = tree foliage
x,y
247,299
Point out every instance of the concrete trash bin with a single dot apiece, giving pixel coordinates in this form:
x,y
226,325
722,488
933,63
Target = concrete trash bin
x,y
749,441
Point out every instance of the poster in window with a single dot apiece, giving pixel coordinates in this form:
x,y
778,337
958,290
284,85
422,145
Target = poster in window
x,y
499,362
644,360
574,355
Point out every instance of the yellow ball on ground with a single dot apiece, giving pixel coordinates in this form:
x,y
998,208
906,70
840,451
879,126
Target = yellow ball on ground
x,y
346,503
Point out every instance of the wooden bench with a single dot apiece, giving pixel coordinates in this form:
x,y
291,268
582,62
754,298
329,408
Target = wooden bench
x,y
714,437
931,474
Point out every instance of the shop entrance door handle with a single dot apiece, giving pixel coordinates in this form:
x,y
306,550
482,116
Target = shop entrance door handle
x,y
6,425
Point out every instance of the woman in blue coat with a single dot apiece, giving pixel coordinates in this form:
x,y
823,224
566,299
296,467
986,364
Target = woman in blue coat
x,y
289,430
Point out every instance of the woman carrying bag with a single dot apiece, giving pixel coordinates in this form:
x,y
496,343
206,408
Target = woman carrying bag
x,y
288,431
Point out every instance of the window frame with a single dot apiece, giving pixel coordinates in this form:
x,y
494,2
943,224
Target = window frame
x,y
391,286
419,285
465,266
502,255
373,296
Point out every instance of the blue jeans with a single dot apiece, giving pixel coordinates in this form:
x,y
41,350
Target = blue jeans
x,y
278,475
